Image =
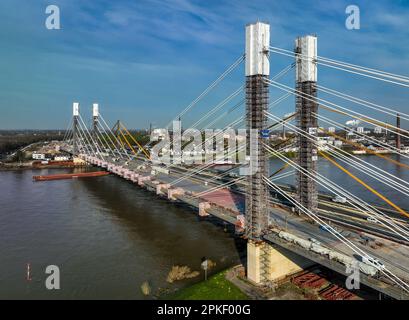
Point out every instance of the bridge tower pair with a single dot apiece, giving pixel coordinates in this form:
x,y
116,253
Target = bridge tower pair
x,y
265,262
75,115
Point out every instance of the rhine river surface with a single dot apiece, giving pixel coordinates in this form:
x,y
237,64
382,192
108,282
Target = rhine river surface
x,y
107,236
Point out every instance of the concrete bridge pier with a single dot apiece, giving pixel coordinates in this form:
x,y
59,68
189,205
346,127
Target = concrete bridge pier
x,y
142,179
161,186
203,207
270,263
174,192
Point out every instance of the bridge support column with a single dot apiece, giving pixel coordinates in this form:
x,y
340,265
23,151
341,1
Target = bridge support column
x,y
134,177
270,263
141,180
307,108
253,261
172,193
95,119
257,90
203,206
75,139
160,186
257,69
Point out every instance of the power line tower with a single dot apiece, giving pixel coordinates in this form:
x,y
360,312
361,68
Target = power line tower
x,y
75,115
306,108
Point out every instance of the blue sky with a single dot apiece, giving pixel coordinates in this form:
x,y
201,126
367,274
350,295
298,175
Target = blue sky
x,y
144,61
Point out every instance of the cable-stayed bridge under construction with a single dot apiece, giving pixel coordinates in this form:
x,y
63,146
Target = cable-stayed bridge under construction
x,y
288,228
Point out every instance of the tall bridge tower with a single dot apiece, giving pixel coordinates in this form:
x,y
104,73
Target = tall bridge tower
x,y
257,69
306,108
257,92
75,115
266,262
95,120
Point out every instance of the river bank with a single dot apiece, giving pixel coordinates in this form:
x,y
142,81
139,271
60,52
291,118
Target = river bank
x,y
217,287
231,284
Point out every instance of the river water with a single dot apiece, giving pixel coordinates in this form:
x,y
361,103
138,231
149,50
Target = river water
x,y
107,236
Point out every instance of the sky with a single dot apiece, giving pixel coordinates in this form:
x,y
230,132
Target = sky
x,y
145,61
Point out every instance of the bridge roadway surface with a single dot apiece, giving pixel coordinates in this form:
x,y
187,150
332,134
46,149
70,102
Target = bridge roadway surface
x,y
226,205
341,214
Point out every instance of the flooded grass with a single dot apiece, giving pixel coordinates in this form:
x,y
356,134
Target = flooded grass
x,y
217,287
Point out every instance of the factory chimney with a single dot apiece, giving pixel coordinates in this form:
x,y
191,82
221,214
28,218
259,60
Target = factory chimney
x,y
397,135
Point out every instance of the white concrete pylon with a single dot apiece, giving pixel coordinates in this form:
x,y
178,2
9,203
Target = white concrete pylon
x,y
257,46
75,109
306,58
95,110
